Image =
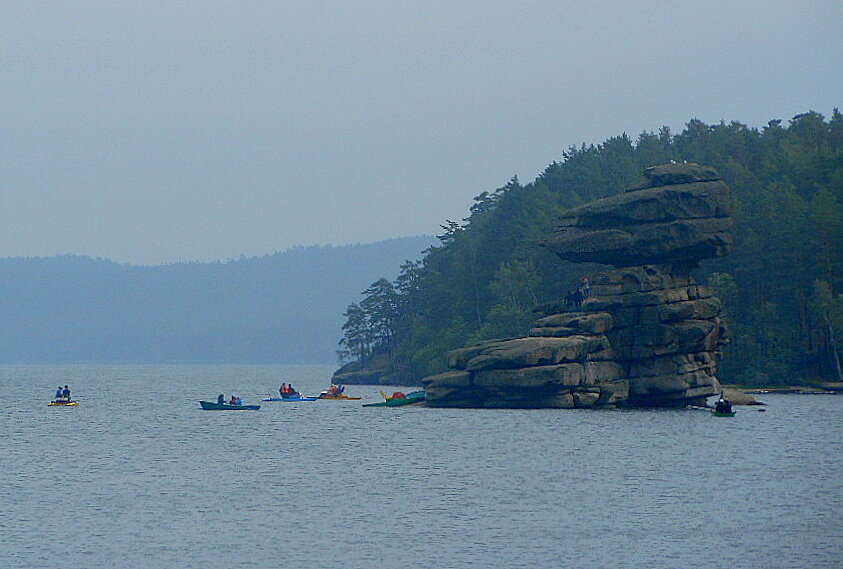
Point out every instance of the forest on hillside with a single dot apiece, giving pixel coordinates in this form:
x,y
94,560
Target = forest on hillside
x,y
782,285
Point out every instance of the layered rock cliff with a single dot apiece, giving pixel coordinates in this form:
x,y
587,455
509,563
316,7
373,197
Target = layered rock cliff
x,y
646,335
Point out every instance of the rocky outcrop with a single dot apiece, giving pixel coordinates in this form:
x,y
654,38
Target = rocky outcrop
x,y
653,225
739,396
377,369
647,334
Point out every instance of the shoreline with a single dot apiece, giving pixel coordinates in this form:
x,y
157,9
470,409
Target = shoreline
x,y
824,388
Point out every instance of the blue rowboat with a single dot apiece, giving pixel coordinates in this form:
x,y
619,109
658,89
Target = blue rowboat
x,y
213,406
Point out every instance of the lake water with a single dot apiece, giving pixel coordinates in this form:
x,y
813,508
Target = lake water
x,y
138,476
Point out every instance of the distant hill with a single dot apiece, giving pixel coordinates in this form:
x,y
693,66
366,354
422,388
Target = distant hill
x,y
280,308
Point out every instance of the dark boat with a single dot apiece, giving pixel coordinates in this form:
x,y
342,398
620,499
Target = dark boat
x,y
213,406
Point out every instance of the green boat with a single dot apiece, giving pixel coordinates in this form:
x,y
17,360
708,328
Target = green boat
x,y
721,414
396,399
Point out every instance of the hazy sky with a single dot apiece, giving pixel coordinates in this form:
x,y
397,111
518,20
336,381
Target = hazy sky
x,y
150,132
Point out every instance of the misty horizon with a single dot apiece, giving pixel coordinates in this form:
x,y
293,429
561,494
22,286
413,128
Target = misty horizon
x,y
152,133
239,258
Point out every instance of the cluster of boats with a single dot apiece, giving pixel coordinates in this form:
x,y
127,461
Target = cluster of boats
x,y
333,393
397,399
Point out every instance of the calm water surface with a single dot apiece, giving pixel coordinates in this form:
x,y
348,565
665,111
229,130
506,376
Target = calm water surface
x,y
138,476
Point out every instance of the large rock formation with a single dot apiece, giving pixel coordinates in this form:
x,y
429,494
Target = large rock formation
x,y
647,334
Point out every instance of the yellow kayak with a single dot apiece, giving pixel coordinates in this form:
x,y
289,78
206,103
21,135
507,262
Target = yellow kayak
x,y
62,403
338,396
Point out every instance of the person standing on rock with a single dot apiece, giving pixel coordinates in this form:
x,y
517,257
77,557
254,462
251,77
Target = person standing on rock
x,y
574,299
585,290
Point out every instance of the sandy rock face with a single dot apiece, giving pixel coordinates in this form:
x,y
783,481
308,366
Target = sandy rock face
x,y
647,335
653,225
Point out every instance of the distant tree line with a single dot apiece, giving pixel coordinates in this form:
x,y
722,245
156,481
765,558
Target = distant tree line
x,y
270,309
781,285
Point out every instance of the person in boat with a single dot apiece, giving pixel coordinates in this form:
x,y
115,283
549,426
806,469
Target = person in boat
x,y
233,400
723,405
283,389
65,393
291,391
238,401
59,395
221,399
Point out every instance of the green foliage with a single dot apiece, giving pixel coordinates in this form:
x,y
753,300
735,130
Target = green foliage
x,y
488,271
513,292
827,309
725,288
380,306
370,326
826,305
357,336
